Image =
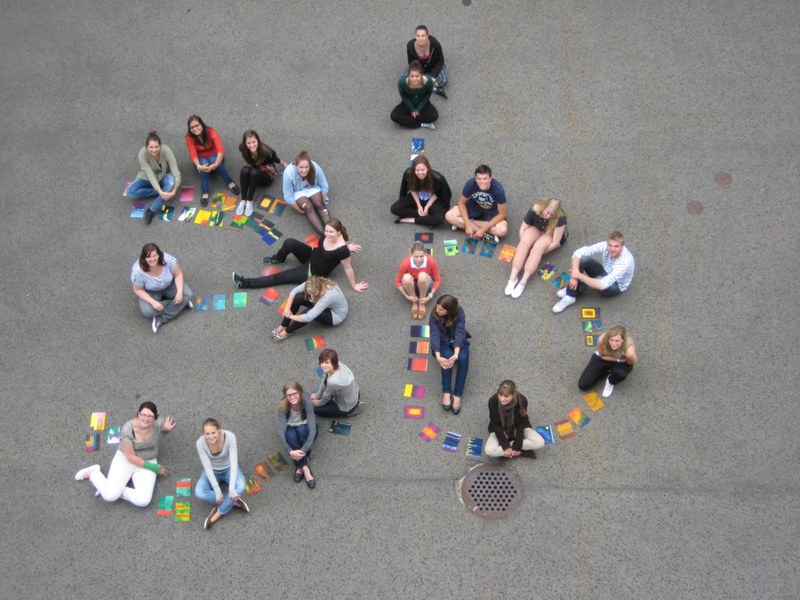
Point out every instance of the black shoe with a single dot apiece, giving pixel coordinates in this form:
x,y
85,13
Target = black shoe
x,y
204,200
234,190
238,281
298,477
311,483
440,91
148,216
272,260
397,220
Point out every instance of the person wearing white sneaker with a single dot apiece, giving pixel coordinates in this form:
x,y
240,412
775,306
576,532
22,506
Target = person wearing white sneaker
x,y
415,108
135,461
481,208
259,169
614,359
157,282
543,229
610,278
219,455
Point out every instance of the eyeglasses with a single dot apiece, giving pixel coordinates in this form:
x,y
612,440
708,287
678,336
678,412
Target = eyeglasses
x,y
146,416
195,126
292,394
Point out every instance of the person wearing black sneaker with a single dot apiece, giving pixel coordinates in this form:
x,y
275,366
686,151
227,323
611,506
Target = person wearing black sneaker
x,y
511,433
157,281
159,176
481,208
219,455
424,195
335,248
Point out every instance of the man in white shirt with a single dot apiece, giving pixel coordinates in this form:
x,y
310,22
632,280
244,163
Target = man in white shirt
x,y
611,277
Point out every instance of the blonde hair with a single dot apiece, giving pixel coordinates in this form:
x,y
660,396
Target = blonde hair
x,y
283,405
543,203
417,246
318,285
604,348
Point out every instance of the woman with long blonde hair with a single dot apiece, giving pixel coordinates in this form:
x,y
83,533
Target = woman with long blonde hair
x,y
324,303
298,429
614,359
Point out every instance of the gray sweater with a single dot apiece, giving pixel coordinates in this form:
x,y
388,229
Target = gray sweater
x,y
341,387
227,457
333,298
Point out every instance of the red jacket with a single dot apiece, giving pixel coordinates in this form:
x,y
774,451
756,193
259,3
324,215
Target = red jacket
x,y
214,145
430,267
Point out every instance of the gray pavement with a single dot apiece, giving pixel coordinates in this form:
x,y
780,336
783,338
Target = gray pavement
x,y
685,485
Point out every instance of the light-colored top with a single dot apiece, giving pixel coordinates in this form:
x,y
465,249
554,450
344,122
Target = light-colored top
x,y
145,281
296,418
148,448
228,457
333,298
293,183
154,172
341,387
619,270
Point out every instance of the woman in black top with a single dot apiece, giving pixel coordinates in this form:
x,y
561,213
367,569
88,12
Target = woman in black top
x,y
424,195
333,249
259,170
511,432
428,51
543,229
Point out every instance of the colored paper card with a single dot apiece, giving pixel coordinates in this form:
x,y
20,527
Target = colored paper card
x,y
312,240
340,427
546,432
201,303
218,302
451,442
277,206
315,343
216,201
228,202
418,364
474,447
417,144
113,436
187,194
419,347
166,506
545,273
414,391
507,253
269,237
202,217
239,300
166,213
594,401
258,216
92,442
592,326
251,485
426,237
187,213
429,432
579,417
319,371
590,312
278,462
560,281
262,470
183,488
238,223
265,203
421,331
488,248
217,219
270,270
450,247
470,246
254,225
269,296
282,307
565,429
98,421
591,340
183,511
137,210
414,412
429,251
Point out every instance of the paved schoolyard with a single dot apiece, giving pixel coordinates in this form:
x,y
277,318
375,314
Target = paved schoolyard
x,y
684,485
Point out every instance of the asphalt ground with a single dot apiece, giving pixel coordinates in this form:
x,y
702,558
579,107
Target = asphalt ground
x,y
685,485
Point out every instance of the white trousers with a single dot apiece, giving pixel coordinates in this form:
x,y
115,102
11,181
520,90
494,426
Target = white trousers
x,y
532,441
115,485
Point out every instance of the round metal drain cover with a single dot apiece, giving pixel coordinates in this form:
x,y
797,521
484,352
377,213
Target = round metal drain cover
x,y
492,492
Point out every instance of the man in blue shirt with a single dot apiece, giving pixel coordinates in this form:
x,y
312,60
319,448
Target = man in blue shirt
x,y
481,209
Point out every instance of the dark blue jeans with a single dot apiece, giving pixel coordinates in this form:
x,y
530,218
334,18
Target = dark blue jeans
x,y
593,269
295,438
461,368
205,178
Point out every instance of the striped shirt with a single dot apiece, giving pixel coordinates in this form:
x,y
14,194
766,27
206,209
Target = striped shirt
x,y
145,281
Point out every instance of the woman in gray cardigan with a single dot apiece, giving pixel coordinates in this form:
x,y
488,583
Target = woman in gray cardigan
x,y
324,303
338,394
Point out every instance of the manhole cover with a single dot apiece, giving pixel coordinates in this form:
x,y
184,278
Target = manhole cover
x,y
492,492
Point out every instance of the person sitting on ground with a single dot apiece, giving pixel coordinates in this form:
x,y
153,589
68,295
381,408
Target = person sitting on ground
x,y
611,277
157,281
208,155
415,109
298,429
427,50
219,456
615,358
424,195
338,394
324,303
159,176
305,189
259,169
418,279
334,248
543,229
511,433
481,208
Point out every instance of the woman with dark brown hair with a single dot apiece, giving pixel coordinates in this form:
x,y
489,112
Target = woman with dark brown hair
x,y
259,170
450,346
415,109
424,195
511,433
157,281
208,155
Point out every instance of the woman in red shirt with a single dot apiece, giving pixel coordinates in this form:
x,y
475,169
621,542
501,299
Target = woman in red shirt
x,y
208,155
418,279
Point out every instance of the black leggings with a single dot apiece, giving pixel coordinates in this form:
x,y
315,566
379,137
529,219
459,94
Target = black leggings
x,y
402,116
250,178
325,317
316,211
406,208
294,275
599,368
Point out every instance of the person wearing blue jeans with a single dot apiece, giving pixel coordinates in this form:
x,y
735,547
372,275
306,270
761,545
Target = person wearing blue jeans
x,y
207,153
450,346
219,456
158,176
298,429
